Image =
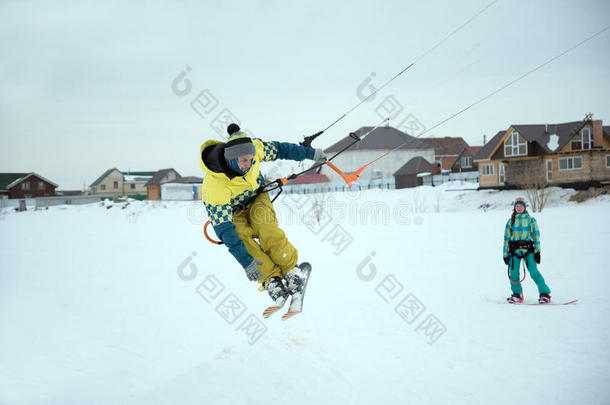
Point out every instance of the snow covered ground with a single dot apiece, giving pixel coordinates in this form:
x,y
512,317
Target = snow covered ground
x,y
115,304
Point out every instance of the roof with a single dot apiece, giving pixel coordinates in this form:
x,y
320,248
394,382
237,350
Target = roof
x,y
8,178
416,165
447,145
539,134
139,174
382,138
157,178
489,147
474,149
187,180
310,179
19,177
131,178
103,176
447,162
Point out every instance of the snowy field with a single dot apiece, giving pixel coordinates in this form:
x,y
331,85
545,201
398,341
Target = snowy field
x,y
129,304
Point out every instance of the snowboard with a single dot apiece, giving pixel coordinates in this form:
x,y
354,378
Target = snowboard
x,y
547,303
296,300
296,303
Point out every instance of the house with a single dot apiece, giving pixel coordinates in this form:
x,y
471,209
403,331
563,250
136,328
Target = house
x,y
571,154
114,183
409,175
25,185
381,140
453,154
153,186
182,188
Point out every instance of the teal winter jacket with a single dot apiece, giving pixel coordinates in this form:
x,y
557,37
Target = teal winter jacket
x,y
525,228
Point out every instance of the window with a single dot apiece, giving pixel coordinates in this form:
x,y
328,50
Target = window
x,y
487,170
132,186
116,184
515,145
466,162
549,170
25,186
501,171
103,187
40,185
582,140
570,163
608,161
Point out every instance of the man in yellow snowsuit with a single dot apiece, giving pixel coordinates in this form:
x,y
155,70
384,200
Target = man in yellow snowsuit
x,y
239,212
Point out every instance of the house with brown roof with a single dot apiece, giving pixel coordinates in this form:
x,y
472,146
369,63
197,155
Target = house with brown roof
x,y
453,154
571,154
25,185
153,186
404,147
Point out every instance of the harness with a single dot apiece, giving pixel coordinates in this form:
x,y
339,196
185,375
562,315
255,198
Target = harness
x,y
515,246
520,245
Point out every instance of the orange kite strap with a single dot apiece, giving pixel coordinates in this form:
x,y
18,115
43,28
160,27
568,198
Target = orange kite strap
x,y
205,232
352,177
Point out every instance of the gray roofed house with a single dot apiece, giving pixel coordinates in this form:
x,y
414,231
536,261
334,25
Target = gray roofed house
x,y
381,140
415,166
407,175
574,154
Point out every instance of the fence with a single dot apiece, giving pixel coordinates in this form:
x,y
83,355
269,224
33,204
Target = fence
x,y
439,179
362,184
43,202
387,183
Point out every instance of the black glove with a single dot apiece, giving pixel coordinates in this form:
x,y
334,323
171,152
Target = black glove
x,y
537,257
506,259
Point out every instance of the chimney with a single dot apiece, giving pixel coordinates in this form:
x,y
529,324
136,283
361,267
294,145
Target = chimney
x,y
484,139
546,129
597,134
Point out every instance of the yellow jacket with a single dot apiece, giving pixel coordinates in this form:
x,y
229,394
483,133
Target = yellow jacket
x,y
223,189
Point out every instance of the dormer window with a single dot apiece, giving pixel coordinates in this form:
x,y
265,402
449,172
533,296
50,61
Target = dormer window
x,y
515,145
466,162
582,140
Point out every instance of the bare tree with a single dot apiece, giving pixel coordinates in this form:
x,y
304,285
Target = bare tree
x,y
536,189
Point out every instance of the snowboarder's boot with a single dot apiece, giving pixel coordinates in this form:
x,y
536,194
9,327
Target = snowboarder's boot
x,y
277,290
515,298
295,279
544,298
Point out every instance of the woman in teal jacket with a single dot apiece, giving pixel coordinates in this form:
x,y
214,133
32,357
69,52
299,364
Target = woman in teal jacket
x,y
522,241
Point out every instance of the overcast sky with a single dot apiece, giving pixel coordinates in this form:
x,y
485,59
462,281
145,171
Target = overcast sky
x,y
87,86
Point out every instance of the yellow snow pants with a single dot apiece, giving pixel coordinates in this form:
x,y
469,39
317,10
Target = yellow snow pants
x,y
258,221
